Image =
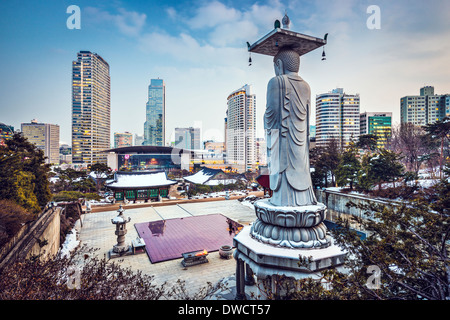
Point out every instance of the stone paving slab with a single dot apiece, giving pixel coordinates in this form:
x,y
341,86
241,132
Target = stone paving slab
x,y
171,212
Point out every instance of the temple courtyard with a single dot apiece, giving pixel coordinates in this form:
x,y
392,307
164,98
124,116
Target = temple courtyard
x,y
97,231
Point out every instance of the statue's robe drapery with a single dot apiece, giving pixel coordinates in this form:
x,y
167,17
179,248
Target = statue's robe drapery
x,y
286,122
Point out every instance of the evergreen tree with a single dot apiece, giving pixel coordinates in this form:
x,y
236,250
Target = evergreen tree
x,y
319,171
383,166
367,142
325,161
331,159
101,172
349,166
24,174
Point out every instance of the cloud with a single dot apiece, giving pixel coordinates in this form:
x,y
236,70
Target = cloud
x,y
212,14
185,48
236,33
221,25
129,23
171,12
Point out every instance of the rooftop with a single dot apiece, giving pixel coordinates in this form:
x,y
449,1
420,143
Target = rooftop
x,y
140,179
206,176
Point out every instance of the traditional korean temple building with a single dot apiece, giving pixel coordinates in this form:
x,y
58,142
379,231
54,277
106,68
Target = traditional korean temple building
x,y
141,185
210,177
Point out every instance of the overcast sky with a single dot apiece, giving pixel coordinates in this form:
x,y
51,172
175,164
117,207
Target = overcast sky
x,y
199,49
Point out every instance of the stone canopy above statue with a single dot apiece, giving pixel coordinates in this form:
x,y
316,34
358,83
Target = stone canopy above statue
x,y
278,38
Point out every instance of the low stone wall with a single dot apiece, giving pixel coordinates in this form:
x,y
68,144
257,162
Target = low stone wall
x,y
29,239
51,235
336,203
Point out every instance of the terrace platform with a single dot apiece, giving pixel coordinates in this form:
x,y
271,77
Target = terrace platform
x,y
98,232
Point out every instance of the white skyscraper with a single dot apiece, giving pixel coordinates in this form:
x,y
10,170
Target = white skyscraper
x,y
337,117
241,129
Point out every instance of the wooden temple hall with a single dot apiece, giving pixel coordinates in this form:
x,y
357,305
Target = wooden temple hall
x,y
141,185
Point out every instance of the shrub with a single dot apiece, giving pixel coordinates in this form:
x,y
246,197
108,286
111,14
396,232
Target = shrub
x,y
12,218
74,196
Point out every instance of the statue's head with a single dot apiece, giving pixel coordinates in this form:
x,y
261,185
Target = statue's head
x,y
286,60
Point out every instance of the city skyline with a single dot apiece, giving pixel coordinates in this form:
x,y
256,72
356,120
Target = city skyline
x,y
199,47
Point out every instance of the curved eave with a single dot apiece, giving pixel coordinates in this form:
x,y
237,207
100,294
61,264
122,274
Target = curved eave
x,y
140,187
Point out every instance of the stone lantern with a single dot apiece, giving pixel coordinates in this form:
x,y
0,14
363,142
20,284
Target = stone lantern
x,y
121,230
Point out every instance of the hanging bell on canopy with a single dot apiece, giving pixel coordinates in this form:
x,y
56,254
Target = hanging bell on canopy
x,y
249,55
323,52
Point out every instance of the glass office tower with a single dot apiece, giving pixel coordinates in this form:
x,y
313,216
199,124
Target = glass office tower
x,y
377,123
91,109
154,126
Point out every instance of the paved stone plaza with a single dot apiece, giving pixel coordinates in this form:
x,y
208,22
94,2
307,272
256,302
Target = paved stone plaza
x,y
97,231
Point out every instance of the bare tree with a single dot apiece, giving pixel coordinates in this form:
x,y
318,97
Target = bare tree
x,y
409,140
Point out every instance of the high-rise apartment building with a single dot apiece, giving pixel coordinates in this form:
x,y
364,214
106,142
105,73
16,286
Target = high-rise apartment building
x,y
91,109
124,139
187,138
45,136
426,108
377,123
241,129
337,117
154,126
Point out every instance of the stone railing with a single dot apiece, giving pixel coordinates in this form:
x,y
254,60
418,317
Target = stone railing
x,y
336,203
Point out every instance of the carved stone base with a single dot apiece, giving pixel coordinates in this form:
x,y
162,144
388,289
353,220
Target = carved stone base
x,y
306,238
120,248
291,227
119,253
265,260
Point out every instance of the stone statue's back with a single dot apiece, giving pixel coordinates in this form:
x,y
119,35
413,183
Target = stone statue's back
x,y
286,121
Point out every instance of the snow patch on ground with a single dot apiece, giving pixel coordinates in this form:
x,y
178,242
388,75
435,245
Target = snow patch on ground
x,y
70,243
248,204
